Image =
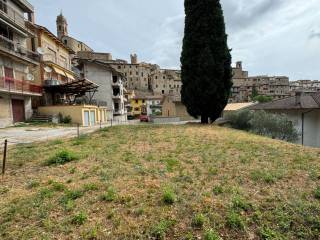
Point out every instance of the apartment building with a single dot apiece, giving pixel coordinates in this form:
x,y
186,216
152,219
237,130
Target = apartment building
x,y
111,93
244,86
166,81
18,62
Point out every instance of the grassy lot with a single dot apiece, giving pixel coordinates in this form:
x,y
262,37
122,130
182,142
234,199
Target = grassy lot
x,y
161,182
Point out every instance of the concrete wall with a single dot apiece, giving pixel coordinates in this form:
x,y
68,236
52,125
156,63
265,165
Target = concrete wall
x,y
103,78
76,112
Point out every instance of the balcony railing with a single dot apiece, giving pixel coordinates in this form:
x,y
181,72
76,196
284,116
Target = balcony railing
x,y
12,14
19,86
17,50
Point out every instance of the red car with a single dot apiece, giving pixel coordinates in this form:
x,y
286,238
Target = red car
x,y
144,118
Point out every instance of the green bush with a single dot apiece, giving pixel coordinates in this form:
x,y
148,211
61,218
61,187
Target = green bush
x,y
79,219
64,119
273,125
211,235
235,221
168,196
198,220
61,158
317,193
240,120
159,231
262,99
276,126
110,195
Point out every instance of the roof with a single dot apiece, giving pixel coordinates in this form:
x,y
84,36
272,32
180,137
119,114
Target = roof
x,y
238,106
292,103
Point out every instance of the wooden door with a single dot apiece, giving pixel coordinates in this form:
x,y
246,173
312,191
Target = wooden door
x,y
18,110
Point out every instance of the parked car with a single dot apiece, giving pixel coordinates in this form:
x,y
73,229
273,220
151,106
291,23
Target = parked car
x,y
144,118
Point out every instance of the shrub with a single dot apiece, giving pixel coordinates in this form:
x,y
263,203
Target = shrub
x,y
273,125
217,189
268,234
262,123
110,195
239,203
159,231
235,221
62,157
262,99
317,193
211,235
64,119
59,187
240,120
198,220
33,184
168,196
79,219
90,187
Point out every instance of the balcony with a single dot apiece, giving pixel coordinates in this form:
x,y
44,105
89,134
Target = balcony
x,y
23,87
16,50
13,16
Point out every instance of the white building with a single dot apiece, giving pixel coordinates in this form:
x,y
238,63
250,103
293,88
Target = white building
x,y
111,91
304,112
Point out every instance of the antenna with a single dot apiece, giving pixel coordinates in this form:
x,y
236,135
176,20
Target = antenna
x,y
30,77
40,51
48,69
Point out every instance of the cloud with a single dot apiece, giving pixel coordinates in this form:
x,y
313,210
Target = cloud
x,y
275,37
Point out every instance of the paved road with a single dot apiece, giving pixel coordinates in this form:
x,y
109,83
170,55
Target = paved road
x,y
30,134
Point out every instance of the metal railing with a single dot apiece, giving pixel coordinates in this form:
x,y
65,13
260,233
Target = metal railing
x,y
17,49
21,86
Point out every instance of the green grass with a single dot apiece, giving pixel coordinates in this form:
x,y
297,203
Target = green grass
x,y
161,182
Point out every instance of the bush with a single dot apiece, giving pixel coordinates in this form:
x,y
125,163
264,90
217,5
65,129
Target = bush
x,y
168,196
273,125
262,123
62,157
211,235
79,219
317,193
64,119
198,221
159,231
110,195
240,120
262,99
235,221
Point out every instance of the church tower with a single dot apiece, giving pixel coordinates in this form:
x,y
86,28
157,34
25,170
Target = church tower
x,y
62,26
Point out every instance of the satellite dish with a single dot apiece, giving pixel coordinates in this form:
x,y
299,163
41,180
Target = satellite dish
x,y
48,69
40,50
30,77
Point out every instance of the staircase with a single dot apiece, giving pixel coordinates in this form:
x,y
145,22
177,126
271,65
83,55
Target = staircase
x,y
41,118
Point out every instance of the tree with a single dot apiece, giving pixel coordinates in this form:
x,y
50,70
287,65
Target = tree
x,y
206,60
254,92
262,99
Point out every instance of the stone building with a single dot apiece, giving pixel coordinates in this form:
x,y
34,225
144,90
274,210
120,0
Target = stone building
x,y
304,85
244,85
70,42
18,62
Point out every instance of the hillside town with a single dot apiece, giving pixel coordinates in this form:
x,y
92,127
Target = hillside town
x,y
47,75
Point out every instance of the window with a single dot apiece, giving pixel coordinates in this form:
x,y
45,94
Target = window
x,y
164,77
162,91
119,67
137,101
130,72
65,41
137,73
142,74
156,77
143,101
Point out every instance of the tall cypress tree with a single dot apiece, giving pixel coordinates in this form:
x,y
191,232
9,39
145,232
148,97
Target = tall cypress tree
x,y
206,60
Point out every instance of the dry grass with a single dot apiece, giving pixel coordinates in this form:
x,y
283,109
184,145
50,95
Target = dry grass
x,y
243,187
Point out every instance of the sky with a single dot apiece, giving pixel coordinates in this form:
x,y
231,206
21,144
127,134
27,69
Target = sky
x,y
270,37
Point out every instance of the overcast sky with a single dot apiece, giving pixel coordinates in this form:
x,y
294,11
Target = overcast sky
x,y
275,37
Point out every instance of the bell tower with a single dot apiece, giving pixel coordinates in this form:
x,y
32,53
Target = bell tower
x,y
62,26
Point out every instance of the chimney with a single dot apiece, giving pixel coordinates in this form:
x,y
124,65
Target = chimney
x,y
134,59
298,97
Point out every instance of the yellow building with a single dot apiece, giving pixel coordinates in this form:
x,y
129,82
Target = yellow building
x,y
139,106
64,93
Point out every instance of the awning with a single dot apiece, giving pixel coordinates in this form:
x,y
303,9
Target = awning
x,y
59,71
70,76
